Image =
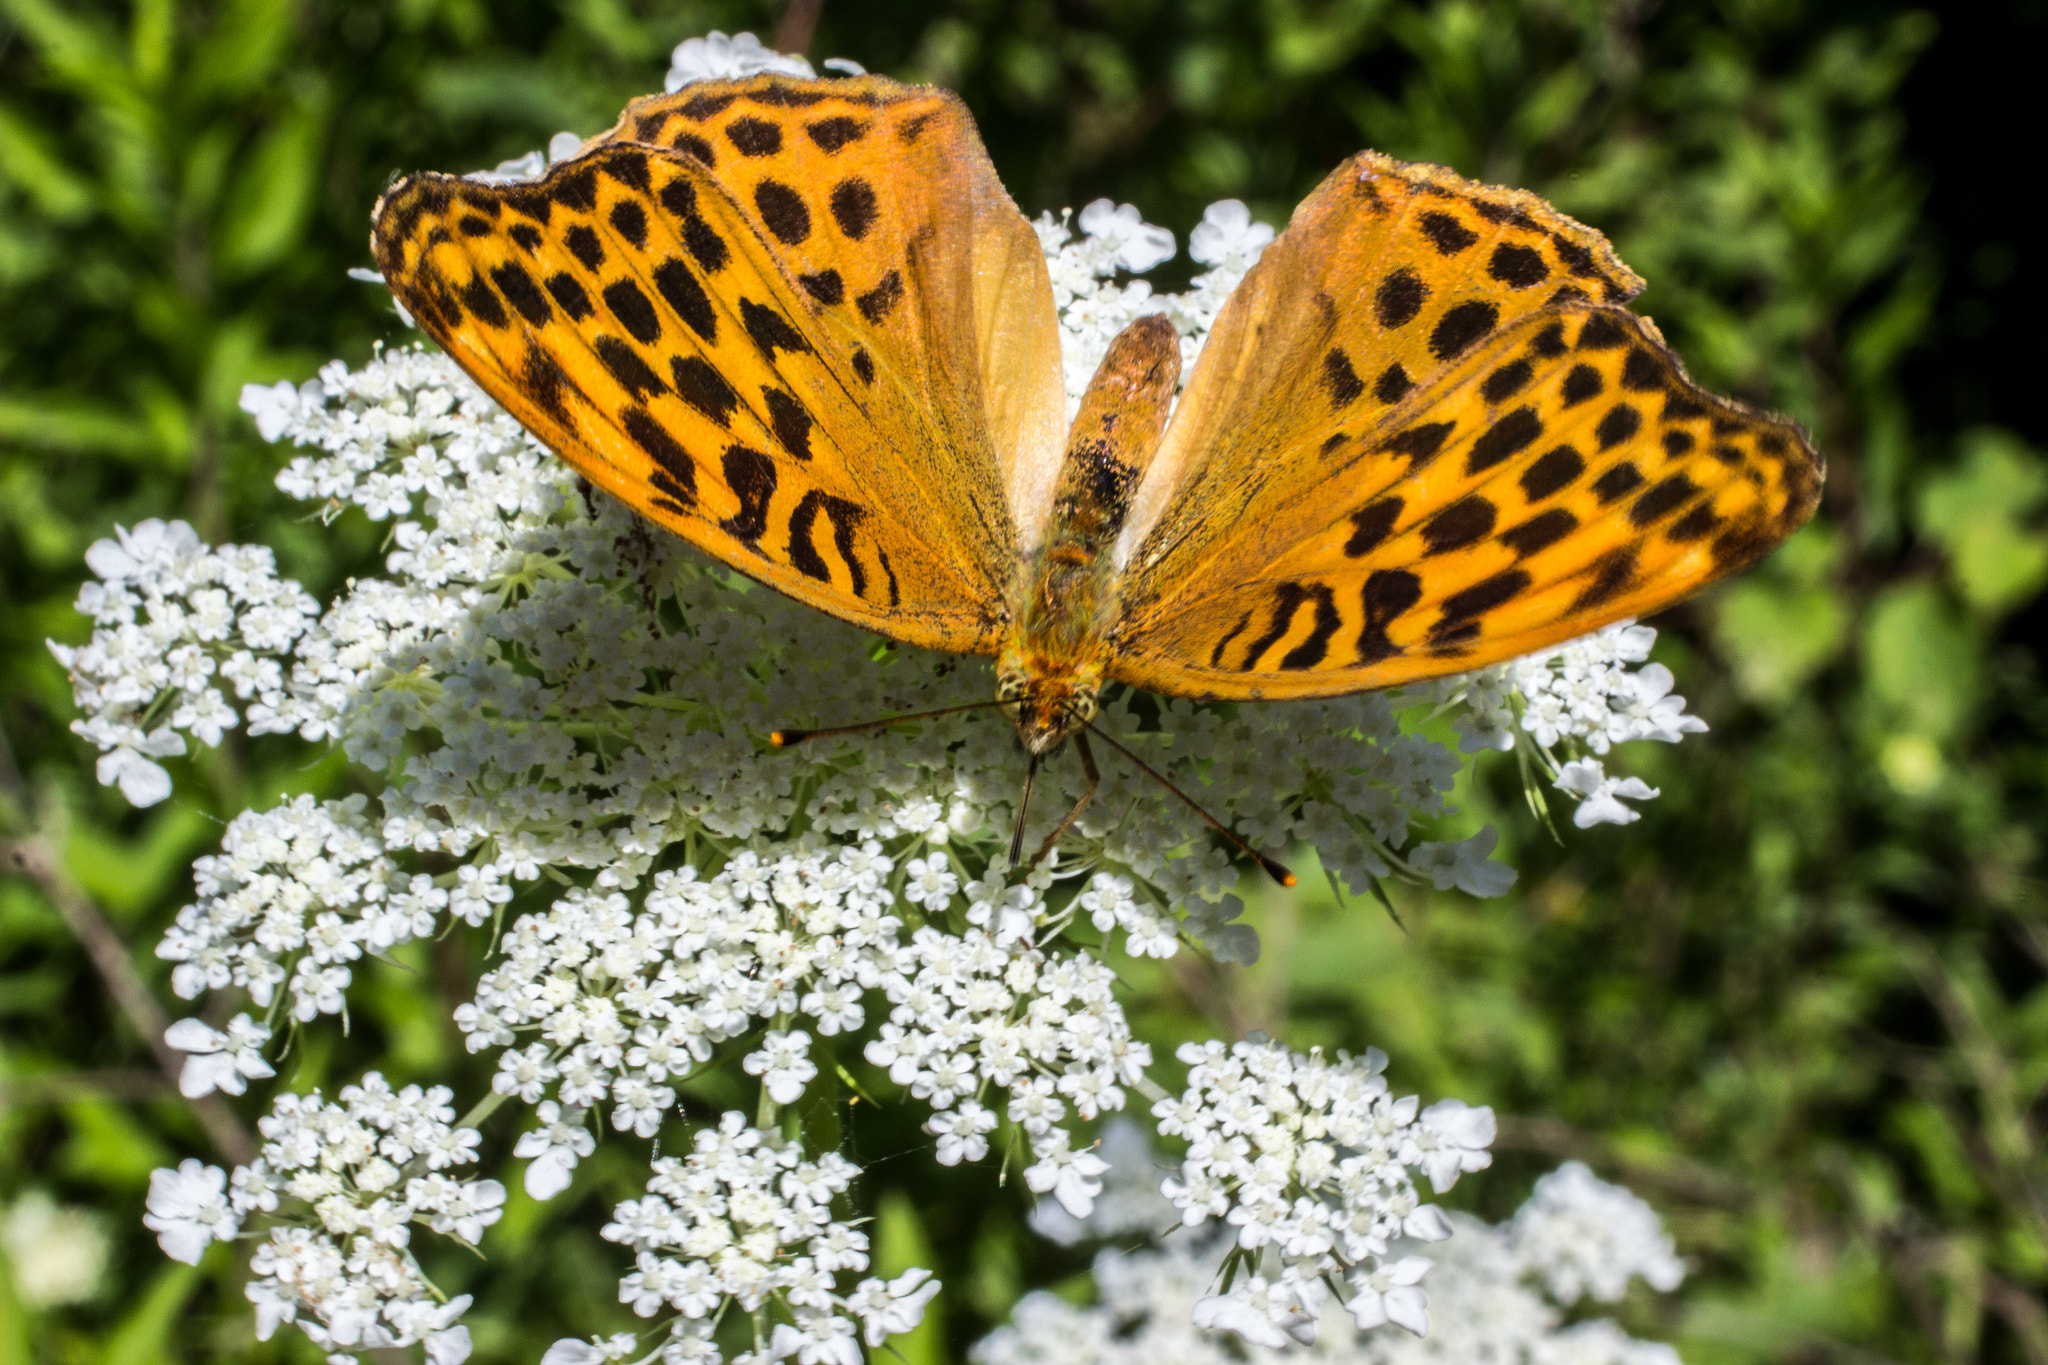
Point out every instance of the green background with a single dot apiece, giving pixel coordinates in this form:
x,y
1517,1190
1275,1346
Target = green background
x,y
1800,1007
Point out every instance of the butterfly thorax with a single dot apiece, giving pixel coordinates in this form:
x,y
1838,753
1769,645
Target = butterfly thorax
x,y
1053,661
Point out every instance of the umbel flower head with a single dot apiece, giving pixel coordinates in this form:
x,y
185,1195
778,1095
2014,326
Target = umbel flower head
x,y
563,712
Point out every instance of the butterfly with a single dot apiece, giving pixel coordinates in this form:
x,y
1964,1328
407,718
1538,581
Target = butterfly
x,y
801,324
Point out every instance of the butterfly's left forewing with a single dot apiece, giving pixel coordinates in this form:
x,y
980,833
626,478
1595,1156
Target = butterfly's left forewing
x,y
769,332
1526,481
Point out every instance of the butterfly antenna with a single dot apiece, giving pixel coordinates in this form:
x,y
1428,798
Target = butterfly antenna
x,y
784,739
1023,809
1274,868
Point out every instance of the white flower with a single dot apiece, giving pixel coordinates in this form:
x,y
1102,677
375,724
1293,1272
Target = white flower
x,y
892,1308
144,783
1136,244
220,1061
1389,1294
1467,865
1270,1315
783,1064
1454,1139
1069,1176
1601,803
555,1146
188,1209
57,1254
717,57
1228,236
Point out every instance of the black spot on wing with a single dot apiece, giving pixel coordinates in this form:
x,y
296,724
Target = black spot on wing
x,y
1287,600
527,235
846,518
633,310
1582,383
1611,575
1310,651
791,424
1399,298
1457,625
1676,443
629,220
1665,496
576,190
1620,423
1372,524
1539,532
1387,594
1510,435
770,330
478,297
1617,482
568,292
825,286
627,367
703,388
1464,521
853,207
1507,381
1420,443
1518,267
1549,343
864,365
473,226
677,472
1602,333
1553,471
1393,385
584,246
544,381
1641,372
1340,381
691,145
701,107
1460,327
877,303
1216,654
1700,522
680,290
831,134
521,292
784,211
754,137
751,476
1447,234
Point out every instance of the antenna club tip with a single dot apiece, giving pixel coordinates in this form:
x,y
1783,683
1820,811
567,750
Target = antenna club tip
x,y
1277,872
783,739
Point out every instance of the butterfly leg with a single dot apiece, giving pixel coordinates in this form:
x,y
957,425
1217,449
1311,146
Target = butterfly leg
x,y
1023,809
1094,776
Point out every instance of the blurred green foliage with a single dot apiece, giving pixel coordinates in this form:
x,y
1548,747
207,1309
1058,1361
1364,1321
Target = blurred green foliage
x,y
1800,1007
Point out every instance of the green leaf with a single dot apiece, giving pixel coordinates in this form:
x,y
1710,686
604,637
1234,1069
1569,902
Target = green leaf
x,y
146,1336
1977,513
272,195
901,1244
1921,661
35,167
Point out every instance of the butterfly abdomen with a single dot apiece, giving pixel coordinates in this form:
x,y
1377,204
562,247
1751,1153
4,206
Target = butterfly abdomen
x,y
1053,660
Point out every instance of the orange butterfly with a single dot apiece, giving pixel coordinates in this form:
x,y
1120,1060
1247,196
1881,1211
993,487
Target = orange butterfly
x,y
800,324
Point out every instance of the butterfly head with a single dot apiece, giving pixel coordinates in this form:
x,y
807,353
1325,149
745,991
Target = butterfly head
x,y
1049,707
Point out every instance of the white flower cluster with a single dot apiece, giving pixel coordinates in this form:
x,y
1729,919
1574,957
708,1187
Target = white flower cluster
x,y
970,1014
745,1221
593,1001
174,620
295,895
1579,695
556,693
1496,1293
342,1185
1114,238
1314,1163
1585,1238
